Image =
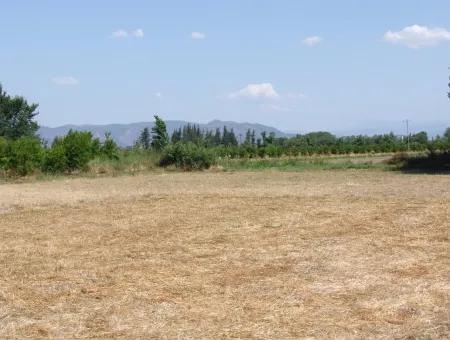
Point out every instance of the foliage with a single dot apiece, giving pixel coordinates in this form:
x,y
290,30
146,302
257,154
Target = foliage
x,y
79,149
187,156
109,148
143,142
71,152
315,143
3,152
192,133
24,155
447,134
55,159
16,117
160,138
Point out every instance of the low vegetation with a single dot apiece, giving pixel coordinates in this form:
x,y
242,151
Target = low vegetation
x,y
22,152
187,156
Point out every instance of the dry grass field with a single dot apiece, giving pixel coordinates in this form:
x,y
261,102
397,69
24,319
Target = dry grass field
x,y
263,255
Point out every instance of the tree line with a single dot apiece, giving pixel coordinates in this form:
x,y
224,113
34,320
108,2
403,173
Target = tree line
x,y
22,151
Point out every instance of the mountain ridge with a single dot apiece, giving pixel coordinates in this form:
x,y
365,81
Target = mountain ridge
x,y
126,134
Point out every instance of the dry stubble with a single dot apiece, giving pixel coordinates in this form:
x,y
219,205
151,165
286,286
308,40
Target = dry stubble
x,y
269,255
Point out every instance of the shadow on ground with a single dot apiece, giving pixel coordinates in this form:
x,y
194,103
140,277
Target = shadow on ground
x,y
433,163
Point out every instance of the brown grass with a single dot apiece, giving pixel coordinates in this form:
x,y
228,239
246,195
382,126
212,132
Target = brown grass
x,y
267,255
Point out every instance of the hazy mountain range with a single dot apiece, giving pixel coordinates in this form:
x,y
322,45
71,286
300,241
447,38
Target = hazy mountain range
x,y
126,134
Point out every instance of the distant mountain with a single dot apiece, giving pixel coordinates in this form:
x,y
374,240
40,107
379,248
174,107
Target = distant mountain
x,y
126,134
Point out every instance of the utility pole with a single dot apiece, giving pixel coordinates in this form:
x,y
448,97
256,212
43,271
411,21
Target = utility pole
x,y
406,121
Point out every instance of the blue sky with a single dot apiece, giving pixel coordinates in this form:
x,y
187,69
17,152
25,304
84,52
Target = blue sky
x,y
296,65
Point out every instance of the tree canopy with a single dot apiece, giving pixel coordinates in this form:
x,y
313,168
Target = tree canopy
x,y
160,138
17,117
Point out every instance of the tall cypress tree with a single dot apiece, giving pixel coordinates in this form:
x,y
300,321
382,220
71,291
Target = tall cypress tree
x,y
144,139
176,135
248,137
160,138
217,137
253,140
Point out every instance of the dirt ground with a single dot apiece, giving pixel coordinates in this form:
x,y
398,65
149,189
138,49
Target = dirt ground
x,y
265,255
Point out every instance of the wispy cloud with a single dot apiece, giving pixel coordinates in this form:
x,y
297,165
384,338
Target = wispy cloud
x,y
311,41
65,81
417,36
198,35
119,34
138,33
123,34
262,90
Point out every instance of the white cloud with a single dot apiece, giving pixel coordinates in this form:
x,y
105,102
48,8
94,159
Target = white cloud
x,y
139,33
263,90
417,36
122,34
311,41
198,35
158,95
65,81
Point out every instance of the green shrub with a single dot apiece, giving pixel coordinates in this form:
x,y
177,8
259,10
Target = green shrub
x,y
78,146
24,155
109,148
55,159
187,156
3,152
71,152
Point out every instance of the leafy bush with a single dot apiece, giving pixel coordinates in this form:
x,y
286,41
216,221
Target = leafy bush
x,y
3,151
109,148
71,152
187,156
24,155
55,159
79,149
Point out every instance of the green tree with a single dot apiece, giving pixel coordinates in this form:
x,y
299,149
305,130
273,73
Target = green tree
x,y
55,159
176,136
144,139
248,138
109,147
24,155
16,116
3,152
160,138
78,149
217,137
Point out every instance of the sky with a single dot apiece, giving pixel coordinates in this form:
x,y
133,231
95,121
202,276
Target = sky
x,y
296,65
